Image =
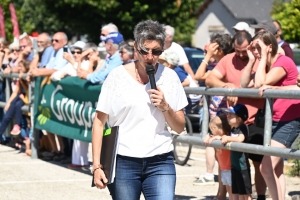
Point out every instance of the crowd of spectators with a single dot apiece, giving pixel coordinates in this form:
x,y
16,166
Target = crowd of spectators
x,y
56,57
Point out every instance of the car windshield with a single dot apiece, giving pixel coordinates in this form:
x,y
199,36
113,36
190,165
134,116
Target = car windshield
x,y
195,57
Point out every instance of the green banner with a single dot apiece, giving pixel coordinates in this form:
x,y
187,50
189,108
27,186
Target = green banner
x,y
66,108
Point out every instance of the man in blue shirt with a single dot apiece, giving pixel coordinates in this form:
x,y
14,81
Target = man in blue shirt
x,y
56,61
112,41
45,49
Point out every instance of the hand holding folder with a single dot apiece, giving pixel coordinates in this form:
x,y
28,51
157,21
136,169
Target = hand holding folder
x,y
109,153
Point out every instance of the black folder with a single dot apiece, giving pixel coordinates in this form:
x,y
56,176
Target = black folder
x,y
108,152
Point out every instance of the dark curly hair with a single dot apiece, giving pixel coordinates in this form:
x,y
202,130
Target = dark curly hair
x,y
224,41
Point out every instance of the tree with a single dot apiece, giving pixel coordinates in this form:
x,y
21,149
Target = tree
x,y
288,14
79,17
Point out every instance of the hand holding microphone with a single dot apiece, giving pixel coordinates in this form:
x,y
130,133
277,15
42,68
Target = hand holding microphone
x,y
151,71
157,96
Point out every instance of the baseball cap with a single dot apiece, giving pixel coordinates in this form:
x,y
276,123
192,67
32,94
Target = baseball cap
x,y
114,37
266,25
241,26
239,109
78,44
170,56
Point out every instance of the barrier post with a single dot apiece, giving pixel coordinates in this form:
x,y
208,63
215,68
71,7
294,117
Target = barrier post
x,y
205,119
7,96
268,121
34,138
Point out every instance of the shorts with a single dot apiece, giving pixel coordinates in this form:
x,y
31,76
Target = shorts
x,y
226,177
256,136
286,132
241,182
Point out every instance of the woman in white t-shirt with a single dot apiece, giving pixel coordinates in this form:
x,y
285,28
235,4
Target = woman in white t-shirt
x,y
144,160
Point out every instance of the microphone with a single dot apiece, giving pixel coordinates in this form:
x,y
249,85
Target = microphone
x,y
151,71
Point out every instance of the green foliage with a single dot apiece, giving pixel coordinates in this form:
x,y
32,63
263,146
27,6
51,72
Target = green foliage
x,y
296,167
7,18
288,14
80,17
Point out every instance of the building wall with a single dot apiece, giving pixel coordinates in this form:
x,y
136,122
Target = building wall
x,y
214,17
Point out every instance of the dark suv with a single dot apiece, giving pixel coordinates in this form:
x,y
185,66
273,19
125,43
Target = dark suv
x,y
195,57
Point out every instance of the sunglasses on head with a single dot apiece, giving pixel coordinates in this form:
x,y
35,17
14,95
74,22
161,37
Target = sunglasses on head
x,y
155,52
55,40
77,52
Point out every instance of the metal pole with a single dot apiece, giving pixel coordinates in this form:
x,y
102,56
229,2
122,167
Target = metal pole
x,y
35,137
268,122
243,147
204,129
7,96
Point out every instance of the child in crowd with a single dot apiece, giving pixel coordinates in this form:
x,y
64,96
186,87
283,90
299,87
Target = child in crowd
x,y
18,98
240,167
219,127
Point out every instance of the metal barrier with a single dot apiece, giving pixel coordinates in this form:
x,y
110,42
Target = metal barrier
x,y
264,149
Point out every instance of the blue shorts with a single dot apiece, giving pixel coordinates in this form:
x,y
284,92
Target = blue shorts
x,y
286,132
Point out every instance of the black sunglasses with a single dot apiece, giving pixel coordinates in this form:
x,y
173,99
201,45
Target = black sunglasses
x,y
155,52
16,50
78,52
55,40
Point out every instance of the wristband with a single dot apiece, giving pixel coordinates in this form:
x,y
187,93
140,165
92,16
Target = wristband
x,y
168,108
99,166
205,62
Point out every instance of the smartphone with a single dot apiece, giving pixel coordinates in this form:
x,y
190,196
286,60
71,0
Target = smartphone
x,y
65,49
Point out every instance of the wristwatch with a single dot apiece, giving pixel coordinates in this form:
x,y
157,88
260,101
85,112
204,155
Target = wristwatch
x,y
94,168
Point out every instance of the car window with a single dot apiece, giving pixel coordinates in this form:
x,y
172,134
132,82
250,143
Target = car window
x,y
195,57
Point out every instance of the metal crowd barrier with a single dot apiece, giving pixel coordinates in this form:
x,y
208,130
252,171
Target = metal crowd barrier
x,y
264,149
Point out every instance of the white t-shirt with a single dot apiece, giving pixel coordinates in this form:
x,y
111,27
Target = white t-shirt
x,y
142,127
181,53
70,70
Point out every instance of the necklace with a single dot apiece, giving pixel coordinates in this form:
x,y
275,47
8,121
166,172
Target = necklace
x,y
138,78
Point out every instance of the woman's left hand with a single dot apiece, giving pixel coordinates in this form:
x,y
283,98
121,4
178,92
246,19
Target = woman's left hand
x,y
158,99
263,88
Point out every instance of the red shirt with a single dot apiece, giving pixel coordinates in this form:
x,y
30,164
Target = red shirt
x,y
286,109
232,67
223,159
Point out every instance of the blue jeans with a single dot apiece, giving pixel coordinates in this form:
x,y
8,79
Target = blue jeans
x,y
154,176
14,110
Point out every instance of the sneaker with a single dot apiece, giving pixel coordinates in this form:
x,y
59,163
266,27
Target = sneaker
x,y
16,130
204,181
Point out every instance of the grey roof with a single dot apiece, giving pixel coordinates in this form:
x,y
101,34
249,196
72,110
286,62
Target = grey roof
x,y
250,9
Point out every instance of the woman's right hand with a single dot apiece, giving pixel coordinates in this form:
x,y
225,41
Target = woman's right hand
x,y
100,179
250,52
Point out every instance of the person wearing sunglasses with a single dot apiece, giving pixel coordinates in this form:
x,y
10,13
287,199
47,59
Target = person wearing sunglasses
x,y
56,61
126,52
144,161
26,53
112,42
73,57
